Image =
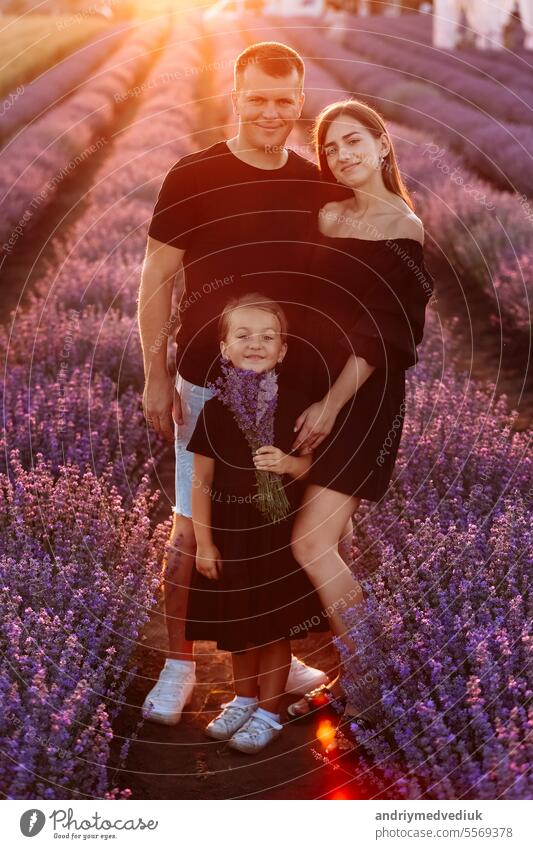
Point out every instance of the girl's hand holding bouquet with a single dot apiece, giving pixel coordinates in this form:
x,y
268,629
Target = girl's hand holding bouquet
x,y
271,459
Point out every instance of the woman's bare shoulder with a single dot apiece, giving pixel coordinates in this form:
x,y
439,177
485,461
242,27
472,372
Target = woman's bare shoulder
x,y
406,226
328,217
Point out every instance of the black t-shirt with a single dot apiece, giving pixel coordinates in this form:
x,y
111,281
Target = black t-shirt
x,y
243,229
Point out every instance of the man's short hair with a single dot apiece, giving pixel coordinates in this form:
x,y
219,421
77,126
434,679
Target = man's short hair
x,y
273,58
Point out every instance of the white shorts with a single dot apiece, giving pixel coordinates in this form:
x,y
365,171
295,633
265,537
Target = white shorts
x,y
193,399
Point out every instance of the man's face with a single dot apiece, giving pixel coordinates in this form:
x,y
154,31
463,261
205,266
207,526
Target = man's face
x,y
268,107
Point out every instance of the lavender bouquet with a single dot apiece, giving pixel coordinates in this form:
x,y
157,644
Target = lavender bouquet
x,y
253,399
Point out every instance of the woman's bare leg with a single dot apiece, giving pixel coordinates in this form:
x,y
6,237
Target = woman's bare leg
x,y
319,525
345,542
323,524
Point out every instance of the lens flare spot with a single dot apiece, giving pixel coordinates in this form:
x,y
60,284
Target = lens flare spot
x,y
339,794
325,733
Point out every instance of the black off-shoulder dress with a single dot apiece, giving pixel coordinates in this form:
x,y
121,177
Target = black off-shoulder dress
x,y
262,594
369,299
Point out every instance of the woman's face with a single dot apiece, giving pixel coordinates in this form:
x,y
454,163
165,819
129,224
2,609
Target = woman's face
x,y
353,152
253,340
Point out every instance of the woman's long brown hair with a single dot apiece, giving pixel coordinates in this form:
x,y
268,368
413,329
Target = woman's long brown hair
x,y
373,122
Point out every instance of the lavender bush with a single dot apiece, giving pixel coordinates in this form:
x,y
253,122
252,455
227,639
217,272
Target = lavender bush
x,y
447,630
484,235
79,559
450,73
76,419
78,575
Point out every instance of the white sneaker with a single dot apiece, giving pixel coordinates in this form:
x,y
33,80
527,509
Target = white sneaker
x,y
255,734
233,717
172,691
302,678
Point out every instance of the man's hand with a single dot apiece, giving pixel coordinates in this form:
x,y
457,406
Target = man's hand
x,y
314,424
271,459
158,403
209,562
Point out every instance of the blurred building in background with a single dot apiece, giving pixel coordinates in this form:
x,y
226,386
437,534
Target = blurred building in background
x,y
487,20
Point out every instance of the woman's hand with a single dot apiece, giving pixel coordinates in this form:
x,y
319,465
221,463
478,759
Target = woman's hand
x,y
209,562
271,459
314,425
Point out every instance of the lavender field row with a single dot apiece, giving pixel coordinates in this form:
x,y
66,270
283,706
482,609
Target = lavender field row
x,y
39,158
402,56
81,566
513,66
29,102
500,92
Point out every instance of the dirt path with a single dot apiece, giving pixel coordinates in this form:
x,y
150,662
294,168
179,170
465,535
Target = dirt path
x,y
181,762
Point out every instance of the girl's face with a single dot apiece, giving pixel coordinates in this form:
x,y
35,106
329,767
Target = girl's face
x,y
353,152
253,340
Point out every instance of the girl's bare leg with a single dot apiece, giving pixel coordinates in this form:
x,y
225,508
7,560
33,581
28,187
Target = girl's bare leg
x,y
274,663
246,672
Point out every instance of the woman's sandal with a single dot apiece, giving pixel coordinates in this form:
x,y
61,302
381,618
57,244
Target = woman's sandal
x,y
345,740
320,701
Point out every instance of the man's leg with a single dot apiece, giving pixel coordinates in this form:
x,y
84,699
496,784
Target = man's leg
x,y
179,563
173,690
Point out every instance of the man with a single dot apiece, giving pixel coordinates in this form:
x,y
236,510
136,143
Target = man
x,y
237,214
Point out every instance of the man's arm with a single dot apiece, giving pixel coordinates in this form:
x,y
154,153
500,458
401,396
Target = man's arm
x,y
160,265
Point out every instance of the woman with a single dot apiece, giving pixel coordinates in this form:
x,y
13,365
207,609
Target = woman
x,y
372,289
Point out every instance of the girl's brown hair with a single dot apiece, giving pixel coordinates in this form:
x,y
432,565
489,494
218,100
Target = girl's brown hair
x,y
373,122
258,301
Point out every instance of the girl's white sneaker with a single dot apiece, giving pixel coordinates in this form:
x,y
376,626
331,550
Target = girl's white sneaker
x,y
223,726
255,734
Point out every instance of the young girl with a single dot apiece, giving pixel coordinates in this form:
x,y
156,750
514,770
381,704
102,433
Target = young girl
x,y
248,593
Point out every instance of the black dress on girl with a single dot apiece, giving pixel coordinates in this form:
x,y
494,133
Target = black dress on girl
x,y
262,593
370,299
